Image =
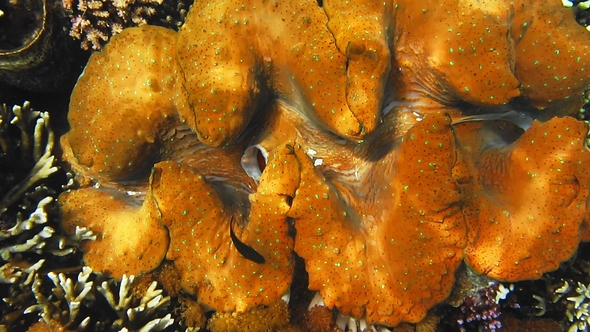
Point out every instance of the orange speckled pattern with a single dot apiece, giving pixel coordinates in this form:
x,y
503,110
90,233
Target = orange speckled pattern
x,y
552,62
199,224
489,52
457,49
121,103
516,233
390,261
362,30
289,52
113,217
335,119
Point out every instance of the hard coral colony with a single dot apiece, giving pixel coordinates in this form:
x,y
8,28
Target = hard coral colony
x,y
384,132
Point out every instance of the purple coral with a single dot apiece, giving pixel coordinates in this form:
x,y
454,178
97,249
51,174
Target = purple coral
x,y
483,309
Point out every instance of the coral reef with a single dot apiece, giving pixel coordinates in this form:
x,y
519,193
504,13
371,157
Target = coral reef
x,y
385,143
69,297
273,318
577,308
483,308
30,241
567,295
555,302
33,149
27,206
29,231
94,22
377,142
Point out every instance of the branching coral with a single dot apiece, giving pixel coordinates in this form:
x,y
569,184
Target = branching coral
x,y
20,276
559,296
94,22
132,312
62,308
35,235
359,139
577,308
484,308
29,233
35,146
28,228
577,304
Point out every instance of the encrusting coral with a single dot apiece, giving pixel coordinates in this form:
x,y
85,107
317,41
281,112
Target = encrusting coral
x,y
386,133
273,318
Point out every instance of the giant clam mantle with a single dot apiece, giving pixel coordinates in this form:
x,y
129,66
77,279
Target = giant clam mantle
x,y
337,134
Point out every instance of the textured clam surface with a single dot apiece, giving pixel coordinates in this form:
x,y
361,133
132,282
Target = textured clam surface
x,y
267,129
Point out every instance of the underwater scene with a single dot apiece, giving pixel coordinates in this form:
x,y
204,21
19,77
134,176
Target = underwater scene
x,y
294,165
